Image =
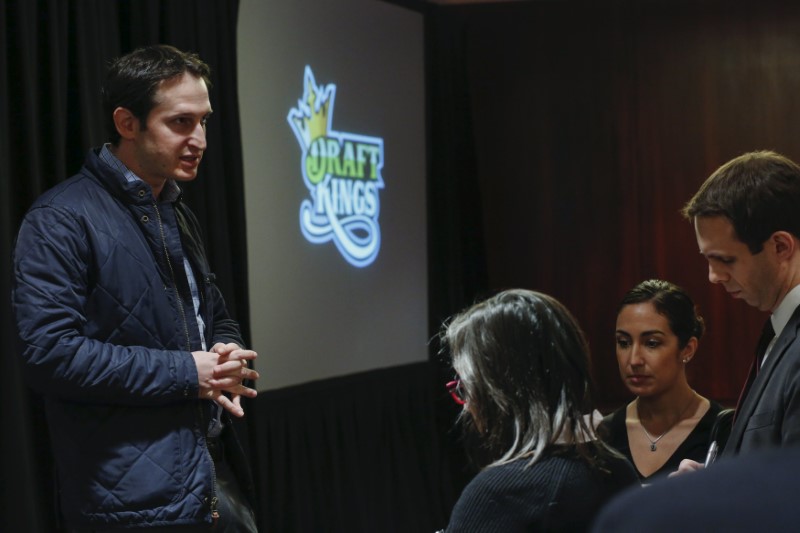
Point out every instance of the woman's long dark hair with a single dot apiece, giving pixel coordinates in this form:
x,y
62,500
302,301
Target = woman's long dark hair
x,y
523,363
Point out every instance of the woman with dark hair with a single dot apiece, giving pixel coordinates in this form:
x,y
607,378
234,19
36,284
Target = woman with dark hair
x,y
522,366
657,334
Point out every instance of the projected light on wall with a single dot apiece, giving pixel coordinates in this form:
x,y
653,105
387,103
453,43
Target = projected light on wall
x,y
342,172
346,291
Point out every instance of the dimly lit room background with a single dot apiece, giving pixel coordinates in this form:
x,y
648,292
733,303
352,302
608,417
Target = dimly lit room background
x,y
540,144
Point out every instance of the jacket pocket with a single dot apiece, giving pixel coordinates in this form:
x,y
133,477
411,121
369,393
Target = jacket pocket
x,y
760,420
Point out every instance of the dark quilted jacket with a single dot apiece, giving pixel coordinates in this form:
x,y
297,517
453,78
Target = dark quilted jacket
x,y
108,345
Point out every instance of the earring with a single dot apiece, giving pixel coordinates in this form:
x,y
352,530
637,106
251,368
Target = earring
x,y
686,360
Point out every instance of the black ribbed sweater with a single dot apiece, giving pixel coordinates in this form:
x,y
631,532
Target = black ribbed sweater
x,y
560,492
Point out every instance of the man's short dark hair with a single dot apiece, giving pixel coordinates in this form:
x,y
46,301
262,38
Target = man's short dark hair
x,y
759,192
133,79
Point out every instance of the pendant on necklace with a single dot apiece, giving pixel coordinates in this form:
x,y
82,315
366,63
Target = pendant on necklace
x,y
653,446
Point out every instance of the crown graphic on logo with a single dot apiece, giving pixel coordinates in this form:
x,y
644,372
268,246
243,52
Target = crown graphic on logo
x,y
312,118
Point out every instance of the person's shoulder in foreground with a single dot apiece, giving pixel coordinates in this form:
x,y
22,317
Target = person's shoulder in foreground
x,y
757,492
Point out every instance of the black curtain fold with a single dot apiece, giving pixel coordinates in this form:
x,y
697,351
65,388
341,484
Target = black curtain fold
x,y
358,453
457,268
53,56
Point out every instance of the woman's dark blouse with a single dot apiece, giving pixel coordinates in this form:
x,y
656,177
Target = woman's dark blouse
x,y
694,447
560,492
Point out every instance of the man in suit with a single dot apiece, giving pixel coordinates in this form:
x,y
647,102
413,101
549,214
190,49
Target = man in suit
x,y
753,493
746,218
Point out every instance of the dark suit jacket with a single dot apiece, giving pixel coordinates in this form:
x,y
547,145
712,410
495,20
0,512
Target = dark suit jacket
x,y
769,416
757,492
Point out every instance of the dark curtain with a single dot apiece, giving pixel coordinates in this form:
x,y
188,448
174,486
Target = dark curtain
x,y
457,274
593,123
358,453
53,56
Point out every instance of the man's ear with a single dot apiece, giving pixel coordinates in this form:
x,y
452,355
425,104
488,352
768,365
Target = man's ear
x,y
126,123
785,244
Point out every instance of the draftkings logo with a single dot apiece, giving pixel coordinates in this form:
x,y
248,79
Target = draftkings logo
x,y
342,172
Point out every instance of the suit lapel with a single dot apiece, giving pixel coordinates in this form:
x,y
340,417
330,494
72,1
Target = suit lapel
x,y
782,343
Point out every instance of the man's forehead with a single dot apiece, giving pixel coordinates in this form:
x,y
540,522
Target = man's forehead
x,y
716,236
717,227
182,90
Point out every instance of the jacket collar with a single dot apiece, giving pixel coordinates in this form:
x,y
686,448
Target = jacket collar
x,y
123,182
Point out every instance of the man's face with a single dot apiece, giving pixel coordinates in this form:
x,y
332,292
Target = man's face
x,y
173,142
753,278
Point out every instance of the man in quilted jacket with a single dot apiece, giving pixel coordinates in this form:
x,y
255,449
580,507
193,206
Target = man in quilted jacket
x,y
125,334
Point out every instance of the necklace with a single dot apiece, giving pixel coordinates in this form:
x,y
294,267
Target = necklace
x,y
654,441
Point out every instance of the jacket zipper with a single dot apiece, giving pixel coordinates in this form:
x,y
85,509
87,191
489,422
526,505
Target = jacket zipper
x,y
214,512
214,499
174,281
